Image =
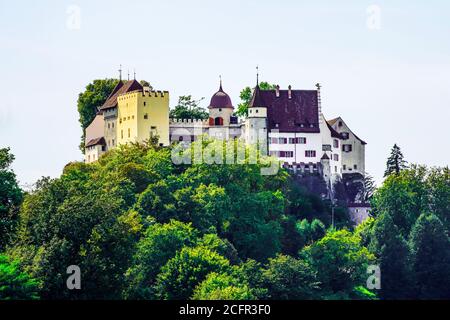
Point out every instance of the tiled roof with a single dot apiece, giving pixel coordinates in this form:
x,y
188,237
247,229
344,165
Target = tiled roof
x,y
96,141
121,88
300,113
220,99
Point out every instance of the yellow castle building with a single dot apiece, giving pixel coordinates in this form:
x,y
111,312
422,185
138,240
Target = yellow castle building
x,y
131,113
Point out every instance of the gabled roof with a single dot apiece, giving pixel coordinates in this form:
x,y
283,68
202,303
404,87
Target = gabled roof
x,y
96,141
121,88
300,113
333,121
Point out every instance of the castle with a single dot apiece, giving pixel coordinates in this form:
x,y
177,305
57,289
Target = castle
x,y
288,124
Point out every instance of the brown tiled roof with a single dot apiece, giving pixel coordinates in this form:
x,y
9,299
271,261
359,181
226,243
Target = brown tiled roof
x,y
96,141
300,113
121,88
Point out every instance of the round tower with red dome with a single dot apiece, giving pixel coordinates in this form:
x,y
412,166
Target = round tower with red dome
x,y
220,108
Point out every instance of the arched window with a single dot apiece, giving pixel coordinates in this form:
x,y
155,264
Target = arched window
x,y
218,121
211,121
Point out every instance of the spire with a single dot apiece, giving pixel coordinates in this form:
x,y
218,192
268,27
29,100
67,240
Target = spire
x,y
220,80
120,73
128,74
134,71
257,76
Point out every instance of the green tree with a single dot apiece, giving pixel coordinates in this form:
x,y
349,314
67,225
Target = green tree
x,y
395,162
190,266
392,253
430,250
340,261
14,283
287,278
188,108
160,243
246,96
222,287
438,183
404,196
10,198
93,97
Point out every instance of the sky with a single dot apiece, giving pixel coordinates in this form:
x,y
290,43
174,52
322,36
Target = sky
x,y
384,66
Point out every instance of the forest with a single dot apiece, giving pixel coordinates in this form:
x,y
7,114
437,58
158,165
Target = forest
x,y
140,227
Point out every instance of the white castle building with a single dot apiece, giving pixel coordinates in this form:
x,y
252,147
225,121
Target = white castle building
x,y
289,124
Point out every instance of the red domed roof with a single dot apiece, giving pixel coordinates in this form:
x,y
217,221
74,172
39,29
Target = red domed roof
x,y
220,99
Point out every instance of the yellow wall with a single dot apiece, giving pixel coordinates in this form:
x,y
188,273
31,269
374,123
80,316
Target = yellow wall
x,y
131,121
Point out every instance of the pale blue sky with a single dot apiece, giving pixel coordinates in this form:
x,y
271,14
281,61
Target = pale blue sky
x,y
390,85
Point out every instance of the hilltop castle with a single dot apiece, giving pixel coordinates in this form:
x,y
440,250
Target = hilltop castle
x,y
289,124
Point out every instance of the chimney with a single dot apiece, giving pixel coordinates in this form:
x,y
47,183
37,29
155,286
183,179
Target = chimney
x,y
277,91
289,92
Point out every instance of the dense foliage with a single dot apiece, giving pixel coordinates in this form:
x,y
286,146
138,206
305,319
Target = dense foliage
x,y
188,108
246,97
10,198
141,227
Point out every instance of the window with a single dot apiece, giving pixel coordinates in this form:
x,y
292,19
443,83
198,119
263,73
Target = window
x,y
292,140
220,110
218,121
336,143
326,147
146,116
145,103
355,167
335,157
273,140
335,168
344,166
345,135
286,154
112,124
129,132
347,147
256,111
282,140
340,123
153,127
121,133
109,125
310,153
113,142
132,117
302,140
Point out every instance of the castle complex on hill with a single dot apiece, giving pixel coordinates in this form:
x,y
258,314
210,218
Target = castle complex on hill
x,y
288,123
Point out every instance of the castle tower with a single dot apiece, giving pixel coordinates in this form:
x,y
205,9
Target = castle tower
x,y
220,108
256,126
